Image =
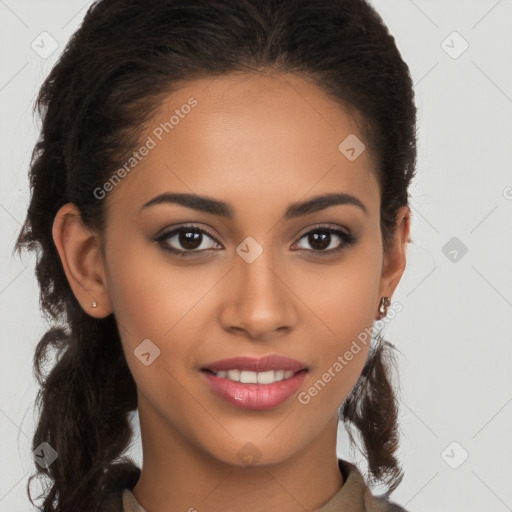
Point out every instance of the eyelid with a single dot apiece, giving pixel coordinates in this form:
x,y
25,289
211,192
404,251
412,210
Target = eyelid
x,y
167,232
170,229
326,225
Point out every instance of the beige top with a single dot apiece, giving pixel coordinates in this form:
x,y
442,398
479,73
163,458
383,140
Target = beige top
x,y
354,496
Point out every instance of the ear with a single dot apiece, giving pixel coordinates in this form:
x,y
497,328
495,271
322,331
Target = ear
x,y
82,259
393,265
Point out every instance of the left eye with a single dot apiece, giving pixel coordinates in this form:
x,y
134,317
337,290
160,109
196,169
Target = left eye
x,y
192,240
321,237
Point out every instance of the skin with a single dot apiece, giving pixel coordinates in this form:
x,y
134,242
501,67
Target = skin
x,y
259,143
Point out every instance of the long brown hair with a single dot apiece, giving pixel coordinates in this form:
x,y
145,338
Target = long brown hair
x,y
105,85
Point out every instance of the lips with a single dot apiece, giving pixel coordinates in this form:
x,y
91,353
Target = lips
x,y
271,362
254,396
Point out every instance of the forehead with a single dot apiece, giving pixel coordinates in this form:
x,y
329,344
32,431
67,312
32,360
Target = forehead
x,y
245,136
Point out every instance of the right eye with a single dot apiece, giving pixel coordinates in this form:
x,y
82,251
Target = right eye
x,y
190,238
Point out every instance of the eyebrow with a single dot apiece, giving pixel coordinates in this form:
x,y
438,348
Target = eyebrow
x,y
216,207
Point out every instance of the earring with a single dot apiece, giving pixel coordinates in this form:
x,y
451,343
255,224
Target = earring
x,y
94,304
385,302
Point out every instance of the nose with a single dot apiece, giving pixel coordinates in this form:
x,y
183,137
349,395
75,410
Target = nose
x,y
258,301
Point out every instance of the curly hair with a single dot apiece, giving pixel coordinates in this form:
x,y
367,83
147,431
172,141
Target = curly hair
x,y
124,58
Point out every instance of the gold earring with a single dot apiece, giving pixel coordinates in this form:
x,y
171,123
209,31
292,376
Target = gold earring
x,y
385,302
94,304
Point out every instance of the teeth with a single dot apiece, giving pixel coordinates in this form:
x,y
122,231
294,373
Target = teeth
x,y
248,377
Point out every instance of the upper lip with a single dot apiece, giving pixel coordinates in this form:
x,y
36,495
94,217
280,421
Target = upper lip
x,y
254,364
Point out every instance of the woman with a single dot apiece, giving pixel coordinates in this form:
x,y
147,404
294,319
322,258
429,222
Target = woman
x,y
220,199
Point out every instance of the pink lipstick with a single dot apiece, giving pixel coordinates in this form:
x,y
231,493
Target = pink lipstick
x,y
255,383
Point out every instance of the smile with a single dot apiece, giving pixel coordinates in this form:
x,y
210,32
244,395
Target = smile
x,y
249,377
255,390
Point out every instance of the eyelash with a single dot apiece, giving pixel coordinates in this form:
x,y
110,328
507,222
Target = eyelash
x,y
347,238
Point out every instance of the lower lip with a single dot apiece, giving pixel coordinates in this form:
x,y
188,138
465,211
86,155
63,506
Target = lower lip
x,y
255,396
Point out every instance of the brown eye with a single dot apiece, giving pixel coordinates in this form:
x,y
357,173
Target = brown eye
x,y
186,241
327,239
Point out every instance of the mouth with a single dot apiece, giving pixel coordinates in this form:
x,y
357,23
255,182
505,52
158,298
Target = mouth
x,y
249,382
252,377
245,389
249,367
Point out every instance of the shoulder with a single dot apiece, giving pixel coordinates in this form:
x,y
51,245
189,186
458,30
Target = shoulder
x,y
356,487
382,504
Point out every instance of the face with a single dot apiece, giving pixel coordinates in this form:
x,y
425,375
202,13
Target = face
x,y
302,283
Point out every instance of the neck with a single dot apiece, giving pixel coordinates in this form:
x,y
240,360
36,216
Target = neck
x,y
178,475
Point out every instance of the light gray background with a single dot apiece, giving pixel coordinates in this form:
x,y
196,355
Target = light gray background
x,y
454,330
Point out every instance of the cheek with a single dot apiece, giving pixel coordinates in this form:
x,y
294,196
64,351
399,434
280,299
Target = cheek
x,y
136,300
138,295
149,307
346,299
150,293
154,299
346,303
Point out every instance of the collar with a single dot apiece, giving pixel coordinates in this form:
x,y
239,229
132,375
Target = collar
x,y
354,495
